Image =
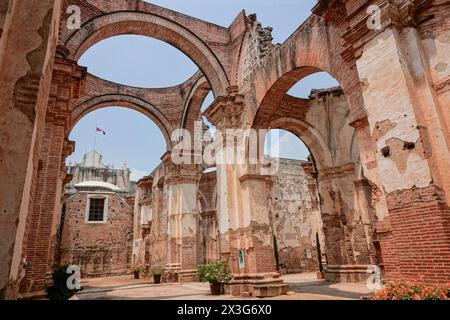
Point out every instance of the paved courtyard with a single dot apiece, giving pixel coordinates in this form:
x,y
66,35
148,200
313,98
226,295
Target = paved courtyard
x,y
303,286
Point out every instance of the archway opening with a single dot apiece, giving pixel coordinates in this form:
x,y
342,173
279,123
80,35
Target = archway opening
x,y
138,61
126,139
294,204
116,149
316,110
315,81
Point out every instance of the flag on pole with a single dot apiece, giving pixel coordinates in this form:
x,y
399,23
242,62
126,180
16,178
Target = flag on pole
x,y
101,130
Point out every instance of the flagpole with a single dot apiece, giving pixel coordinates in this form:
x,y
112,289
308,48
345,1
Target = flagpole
x,y
95,139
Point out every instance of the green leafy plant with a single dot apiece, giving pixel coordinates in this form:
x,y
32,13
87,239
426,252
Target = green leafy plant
x,y
216,272
319,253
412,290
59,290
139,268
157,270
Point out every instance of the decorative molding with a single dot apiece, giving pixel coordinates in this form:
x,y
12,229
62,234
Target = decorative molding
x,y
227,112
337,172
360,123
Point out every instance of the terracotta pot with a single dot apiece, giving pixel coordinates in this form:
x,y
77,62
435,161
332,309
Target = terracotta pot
x,y
216,288
320,275
136,274
157,278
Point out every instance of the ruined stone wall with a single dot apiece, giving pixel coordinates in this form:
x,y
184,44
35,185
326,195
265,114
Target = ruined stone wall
x,y
100,249
346,211
294,208
28,45
150,240
296,218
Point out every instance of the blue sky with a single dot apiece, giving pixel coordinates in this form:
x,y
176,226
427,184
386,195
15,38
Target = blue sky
x,y
146,62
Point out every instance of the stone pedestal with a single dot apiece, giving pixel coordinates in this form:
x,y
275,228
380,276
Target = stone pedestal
x,y
259,285
346,273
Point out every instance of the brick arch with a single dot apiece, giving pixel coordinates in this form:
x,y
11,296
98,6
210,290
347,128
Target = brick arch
x,y
309,135
126,101
316,46
194,102
157,26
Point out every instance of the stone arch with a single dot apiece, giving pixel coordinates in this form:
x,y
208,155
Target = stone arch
x,y
309,50
309,135
191,110
156,26
127,101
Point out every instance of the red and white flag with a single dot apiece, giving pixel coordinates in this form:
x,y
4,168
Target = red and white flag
x,y
101,130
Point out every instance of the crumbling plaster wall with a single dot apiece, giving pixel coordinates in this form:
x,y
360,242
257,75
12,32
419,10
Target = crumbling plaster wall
x,y
295,216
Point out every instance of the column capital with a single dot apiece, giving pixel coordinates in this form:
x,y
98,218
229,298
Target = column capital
x,y
337,172
227,112
257,177
360,123
181,173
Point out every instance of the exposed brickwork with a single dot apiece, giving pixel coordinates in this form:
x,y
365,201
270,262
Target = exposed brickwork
x,y
102,249
420,221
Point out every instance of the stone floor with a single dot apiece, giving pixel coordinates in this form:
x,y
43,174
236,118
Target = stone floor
x,y
303,286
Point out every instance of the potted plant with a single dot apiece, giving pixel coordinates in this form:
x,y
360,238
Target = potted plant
x,y
157,271
216,274
60,290
137,269
320,273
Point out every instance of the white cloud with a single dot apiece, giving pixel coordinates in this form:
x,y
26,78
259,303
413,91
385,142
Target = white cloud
x,y
137,174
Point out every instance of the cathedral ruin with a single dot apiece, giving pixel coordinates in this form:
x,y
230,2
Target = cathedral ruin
x,y
375,192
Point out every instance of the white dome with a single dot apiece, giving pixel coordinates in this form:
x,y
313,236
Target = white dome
x,y
97,184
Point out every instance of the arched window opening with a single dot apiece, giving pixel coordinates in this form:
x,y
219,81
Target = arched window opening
x,y
120,138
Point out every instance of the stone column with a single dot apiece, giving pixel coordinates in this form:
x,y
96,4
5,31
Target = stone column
x,y
181,185
42,225
27,48
159,226
412,150
246,239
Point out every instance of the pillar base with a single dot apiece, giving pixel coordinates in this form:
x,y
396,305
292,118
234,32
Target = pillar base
x,y
259,285
187,276
346,273
175,274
